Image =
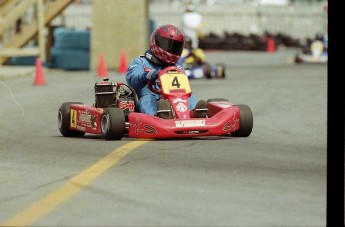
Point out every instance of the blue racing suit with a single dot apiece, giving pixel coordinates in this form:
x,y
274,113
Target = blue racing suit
x,y
136,77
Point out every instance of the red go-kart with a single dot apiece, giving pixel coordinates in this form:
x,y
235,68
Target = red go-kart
x,y
114,115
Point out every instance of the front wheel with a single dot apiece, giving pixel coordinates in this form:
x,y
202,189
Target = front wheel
x,y
64,118
246,122
113,123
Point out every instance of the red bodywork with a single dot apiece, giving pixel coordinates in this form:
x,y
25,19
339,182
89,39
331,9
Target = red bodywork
x,y
223,116
226,119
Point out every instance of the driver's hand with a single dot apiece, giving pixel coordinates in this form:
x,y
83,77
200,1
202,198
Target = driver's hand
x,y
152,75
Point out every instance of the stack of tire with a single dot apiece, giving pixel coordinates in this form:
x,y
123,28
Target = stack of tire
x,y
252,42
71,49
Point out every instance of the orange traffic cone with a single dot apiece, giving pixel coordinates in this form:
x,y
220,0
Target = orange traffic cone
x,y
102,68
39,74
123,63
271,47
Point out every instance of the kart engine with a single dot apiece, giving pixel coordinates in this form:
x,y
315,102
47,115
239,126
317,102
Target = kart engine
x,y
123,96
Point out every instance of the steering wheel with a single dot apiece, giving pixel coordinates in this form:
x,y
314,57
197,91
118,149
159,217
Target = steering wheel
x,y
152,88
127,91
151,83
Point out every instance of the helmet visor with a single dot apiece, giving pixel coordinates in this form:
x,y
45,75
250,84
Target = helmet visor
x,y
172,46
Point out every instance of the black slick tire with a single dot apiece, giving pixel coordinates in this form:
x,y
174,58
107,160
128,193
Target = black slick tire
x,y
246,122
113,123
64,121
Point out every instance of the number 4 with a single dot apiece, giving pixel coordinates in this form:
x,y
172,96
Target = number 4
x,y
175,82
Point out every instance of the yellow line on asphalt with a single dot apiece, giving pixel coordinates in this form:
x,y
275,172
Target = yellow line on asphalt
x,y
52,200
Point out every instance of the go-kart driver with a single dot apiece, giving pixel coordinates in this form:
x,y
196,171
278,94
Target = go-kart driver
x,y
193,56
166,46
197,54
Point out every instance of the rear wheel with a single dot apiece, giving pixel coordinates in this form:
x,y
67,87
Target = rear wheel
x,y
113,123
246,122
64,118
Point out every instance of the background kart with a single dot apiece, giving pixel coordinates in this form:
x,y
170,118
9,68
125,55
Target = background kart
x,y
114,115
205,71
195,68
315,53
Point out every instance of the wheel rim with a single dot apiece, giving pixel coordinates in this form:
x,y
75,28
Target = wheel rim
x,y
105,123
60,120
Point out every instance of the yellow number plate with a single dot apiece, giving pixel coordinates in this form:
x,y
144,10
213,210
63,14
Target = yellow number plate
x,y
173,83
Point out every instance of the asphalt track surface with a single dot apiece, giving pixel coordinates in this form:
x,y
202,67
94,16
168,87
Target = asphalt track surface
x,y
274,177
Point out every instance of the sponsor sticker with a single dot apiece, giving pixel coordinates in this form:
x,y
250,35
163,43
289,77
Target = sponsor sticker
x,y
181,107
179,100
73,122
127,105
189,123
175,91
87,119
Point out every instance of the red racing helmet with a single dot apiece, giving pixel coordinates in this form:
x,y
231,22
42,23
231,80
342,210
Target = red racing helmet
x,y
167,43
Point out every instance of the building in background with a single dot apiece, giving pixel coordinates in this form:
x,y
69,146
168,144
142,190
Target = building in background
x,y
300,19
